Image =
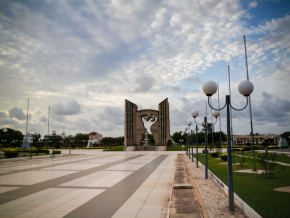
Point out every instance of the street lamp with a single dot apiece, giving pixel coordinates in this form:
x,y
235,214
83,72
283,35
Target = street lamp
x,y
70,141
245,88
189,123
185,131
194,113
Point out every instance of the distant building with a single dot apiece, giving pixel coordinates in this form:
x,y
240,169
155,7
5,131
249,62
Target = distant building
x,y
271,139
94,138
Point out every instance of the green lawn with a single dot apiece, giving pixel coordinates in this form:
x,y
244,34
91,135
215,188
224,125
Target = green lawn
x,y
174,148
279,157
256,190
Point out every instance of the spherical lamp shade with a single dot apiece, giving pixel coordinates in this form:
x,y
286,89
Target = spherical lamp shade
x,y
186,128
203,124
215,114
4,130
189,122
194,113
209,88
246,88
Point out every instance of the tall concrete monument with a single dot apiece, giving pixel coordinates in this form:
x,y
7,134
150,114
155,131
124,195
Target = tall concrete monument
x,y
135,128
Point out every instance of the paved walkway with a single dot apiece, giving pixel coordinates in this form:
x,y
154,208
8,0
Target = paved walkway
x,y
98,184
212,198
107,184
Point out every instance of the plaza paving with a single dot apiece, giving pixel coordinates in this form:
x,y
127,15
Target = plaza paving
x,y
93,183
97,184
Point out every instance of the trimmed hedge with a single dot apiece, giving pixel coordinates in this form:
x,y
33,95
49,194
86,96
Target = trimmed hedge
x,y
224,157
56,152
11,154
273,147
214,154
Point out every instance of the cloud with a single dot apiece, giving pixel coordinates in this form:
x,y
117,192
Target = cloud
x,y
144,83
17,113
67,108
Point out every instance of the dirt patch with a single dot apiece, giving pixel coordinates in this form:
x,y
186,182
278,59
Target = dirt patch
x,y
283,189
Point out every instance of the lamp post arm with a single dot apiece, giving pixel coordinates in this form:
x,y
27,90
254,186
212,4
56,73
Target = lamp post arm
x,y
197,123
215,121
215,108
242,108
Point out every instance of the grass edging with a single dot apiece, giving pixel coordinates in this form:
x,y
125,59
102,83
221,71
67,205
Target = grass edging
x,y
249,211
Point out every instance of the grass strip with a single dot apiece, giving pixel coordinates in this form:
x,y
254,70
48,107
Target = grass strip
x,y
256,190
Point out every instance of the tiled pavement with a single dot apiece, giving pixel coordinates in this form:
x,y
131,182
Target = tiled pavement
x,y
98,184
101,184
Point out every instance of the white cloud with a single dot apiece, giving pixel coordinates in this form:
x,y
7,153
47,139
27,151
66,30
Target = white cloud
x,y
67,108
101,52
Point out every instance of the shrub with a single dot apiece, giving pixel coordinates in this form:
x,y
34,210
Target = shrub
x,y
56,152
45,151
267,161
224,157
11,153
238,149
214,154
242,159
203,151
117,148
273,147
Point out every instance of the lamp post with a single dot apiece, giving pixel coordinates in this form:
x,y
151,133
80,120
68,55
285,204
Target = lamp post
x,y
189,123
70,141
185,131
245,88
194,113
180,142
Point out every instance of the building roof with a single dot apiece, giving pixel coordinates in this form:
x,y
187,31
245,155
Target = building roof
x,y
93,133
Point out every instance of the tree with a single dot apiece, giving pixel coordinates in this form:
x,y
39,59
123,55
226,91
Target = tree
x,y
81,139
108,141
286,135
6,138
178,136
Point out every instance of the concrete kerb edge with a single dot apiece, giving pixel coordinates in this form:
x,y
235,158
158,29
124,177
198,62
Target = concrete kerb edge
x,y
238,201
168,211
199,199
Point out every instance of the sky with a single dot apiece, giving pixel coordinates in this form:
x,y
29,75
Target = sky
x,y
83,58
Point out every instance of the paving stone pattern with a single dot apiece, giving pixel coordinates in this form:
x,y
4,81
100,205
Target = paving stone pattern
x,y
99,184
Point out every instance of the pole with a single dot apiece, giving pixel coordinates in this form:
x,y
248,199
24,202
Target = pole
x,y
26,125
69,146
48,125
230,169
231,112
205,140
220,119
186,144
196,146
191,136
250,109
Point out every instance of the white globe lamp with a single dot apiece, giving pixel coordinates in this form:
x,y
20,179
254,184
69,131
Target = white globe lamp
x,y
194,113
215,114
189,122
209,88
246,88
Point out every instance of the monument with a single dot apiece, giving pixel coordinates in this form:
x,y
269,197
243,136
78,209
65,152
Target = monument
x,y
135,128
